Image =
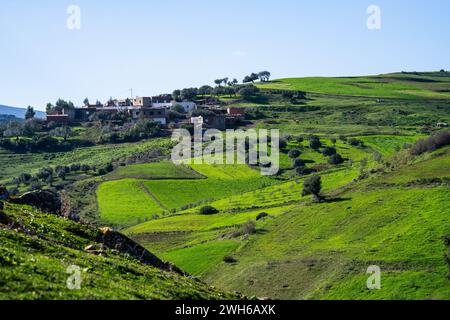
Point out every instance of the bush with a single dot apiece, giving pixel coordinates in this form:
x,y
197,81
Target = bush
x,y
75,167
85,168
229,259
298,163
328,152
431,144
356,143
294,153
208,210
262,215
249,228
312,186
336,159
302,171
314,142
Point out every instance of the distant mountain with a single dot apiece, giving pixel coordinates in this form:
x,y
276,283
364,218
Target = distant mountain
x,y
18,112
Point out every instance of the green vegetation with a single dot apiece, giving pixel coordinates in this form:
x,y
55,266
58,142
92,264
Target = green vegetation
x,y
403,86
368,151
197,260
123,202
36,254
155,171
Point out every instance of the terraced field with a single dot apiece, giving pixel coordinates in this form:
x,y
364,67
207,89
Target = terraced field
x,y
321,251
123,202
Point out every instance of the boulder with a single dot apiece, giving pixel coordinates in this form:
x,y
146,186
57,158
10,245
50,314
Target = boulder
x,y
116,241
43,200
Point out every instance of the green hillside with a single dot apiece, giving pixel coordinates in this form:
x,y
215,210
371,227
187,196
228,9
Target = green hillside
x,y
384,202
397,85
322,251
37,249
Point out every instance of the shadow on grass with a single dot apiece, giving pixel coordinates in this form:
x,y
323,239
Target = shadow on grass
x,y
335,200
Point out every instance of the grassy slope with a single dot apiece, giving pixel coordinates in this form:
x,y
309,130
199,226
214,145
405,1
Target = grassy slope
x,y
122,202
12,164
154,171
384,86
322,250
33,264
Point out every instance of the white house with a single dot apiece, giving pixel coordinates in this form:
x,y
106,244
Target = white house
x,y
164,105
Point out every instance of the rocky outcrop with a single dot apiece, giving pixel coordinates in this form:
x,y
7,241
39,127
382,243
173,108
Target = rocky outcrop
x,y
117,241
43,200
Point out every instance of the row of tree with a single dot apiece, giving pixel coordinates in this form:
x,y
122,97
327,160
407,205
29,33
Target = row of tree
x,y
263,76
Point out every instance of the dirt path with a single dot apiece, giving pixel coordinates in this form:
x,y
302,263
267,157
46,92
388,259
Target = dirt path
x,y
147,191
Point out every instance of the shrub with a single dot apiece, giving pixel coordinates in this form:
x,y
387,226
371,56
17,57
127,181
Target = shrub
x,y
24,178
249,228
85,168
262,215
356,143
434,142
312,186
229,259
298,163
302,171
329,151
336,159
314,142
208,210
294,153
75,167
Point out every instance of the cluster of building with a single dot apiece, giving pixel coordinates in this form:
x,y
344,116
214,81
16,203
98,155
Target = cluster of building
x,y
154,109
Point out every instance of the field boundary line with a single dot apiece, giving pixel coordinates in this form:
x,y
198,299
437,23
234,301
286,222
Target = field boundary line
x,y
144,188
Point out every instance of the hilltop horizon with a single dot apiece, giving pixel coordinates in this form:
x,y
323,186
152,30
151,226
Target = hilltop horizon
x,y
276,79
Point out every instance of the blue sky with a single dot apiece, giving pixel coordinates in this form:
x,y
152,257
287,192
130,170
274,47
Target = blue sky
x,y
157,46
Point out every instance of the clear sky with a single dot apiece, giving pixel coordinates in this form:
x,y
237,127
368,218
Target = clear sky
x,y
158,46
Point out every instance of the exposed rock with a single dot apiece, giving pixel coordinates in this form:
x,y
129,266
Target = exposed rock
x,y
96,249
117,241
4,194
43,200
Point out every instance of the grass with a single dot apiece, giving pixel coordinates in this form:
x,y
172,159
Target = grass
x,y
388,145
33,265
438,167
197,222
199,259
123,202
154,171
320,251
385,86
332,244
12,164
